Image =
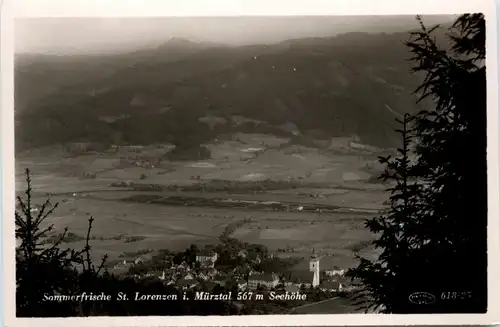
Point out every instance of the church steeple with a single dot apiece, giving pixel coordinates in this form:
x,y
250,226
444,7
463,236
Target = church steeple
x,y
314,267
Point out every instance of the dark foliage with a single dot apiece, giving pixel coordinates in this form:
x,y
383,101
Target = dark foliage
x,y
433,239
46,270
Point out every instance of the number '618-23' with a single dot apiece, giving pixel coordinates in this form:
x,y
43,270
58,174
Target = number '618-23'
x,y
456,295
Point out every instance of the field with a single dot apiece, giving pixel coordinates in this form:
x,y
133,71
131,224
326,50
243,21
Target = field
x,y
294,198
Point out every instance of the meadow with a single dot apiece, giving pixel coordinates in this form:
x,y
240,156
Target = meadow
x,y
246,169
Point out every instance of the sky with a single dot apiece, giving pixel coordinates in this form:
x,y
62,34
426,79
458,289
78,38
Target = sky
x,y
109,34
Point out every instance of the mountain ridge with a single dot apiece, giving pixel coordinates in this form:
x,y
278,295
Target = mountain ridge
x,y
355,83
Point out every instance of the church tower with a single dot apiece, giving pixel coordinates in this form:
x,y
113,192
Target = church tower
x,y
314,267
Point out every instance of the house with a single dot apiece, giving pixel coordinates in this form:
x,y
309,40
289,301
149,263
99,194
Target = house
x,y
186,283
156,274
335,271
220,279
347,286
188,276
170,272
121,264
242,284
330,286
241,271
299,278
168,258
143,258
206,258
206,264
184,266
253,257
207,273
110,264
133,148
122,267
267,280
203,276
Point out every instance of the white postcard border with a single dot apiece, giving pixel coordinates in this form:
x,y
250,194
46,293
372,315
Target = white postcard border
x,y
157,8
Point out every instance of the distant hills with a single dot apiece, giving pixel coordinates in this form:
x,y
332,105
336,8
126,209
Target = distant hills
x,y
188,93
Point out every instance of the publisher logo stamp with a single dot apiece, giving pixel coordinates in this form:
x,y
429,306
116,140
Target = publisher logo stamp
x,y
422,298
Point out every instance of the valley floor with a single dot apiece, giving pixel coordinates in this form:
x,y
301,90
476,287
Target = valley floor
x,y
293,199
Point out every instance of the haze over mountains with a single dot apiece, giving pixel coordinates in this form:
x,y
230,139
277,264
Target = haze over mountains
x,y
97,35
190,92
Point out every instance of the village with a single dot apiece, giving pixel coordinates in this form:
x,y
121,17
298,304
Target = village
x,y
238,267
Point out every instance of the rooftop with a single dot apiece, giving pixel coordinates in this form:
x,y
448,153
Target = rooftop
x,y
146,257
331,285
263,277
206,253
300,276
187,282
334,268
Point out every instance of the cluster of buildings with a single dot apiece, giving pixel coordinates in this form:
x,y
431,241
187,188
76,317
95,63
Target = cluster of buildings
x,y
185,276
329,280
138,161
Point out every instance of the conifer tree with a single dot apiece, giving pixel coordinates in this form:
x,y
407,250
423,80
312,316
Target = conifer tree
x,y
394,230
46,270
40,269
439,244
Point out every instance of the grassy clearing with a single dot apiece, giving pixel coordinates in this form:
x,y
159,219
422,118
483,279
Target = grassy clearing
x,y
157,226
282,172
276,161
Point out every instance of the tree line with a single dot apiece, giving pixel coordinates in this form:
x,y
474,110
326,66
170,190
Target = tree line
x,y
433,238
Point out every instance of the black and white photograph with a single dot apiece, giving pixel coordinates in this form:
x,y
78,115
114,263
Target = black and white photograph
x,y
251,165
